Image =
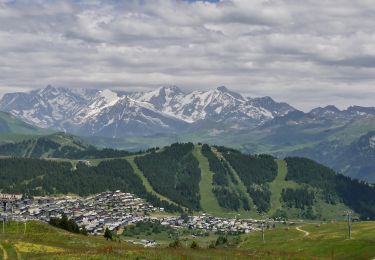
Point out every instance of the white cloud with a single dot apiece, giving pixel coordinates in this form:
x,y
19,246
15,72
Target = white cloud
x,y
308,53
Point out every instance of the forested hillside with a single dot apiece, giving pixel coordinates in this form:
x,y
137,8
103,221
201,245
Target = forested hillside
x,y
334,188
255,171
224,183
40,177
174,173
171,177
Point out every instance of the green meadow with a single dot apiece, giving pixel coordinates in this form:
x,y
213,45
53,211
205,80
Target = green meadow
x,y
292,241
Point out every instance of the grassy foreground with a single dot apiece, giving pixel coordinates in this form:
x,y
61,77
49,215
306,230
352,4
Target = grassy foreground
x,y
313,241
305,241
42,241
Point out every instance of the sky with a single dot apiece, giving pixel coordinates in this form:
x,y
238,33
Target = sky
x,y
308,53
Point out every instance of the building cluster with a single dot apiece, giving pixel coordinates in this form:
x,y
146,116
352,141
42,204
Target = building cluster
x,y
115,210
108,209
209,223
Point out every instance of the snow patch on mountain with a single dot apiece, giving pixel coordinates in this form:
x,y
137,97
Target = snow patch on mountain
x,y
111,113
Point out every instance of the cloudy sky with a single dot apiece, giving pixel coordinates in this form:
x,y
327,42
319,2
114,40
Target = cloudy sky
x,y
309,53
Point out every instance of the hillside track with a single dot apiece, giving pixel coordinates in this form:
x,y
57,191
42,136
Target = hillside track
x,y
5,254
303,231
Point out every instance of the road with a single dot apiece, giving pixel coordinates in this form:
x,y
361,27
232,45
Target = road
x,y
303,231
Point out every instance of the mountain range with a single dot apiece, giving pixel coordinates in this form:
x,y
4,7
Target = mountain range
x,y
140,120
113,114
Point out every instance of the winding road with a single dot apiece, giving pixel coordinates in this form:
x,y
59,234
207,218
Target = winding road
x,y
303,231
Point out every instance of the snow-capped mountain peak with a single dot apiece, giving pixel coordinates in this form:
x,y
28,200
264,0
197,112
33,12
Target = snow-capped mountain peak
x,y
115,114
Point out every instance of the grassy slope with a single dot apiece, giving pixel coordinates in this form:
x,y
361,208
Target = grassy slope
x,y
327,211
18,126
327,241
208,199
61,139
19,130
42,241
209,203
278,185
206,186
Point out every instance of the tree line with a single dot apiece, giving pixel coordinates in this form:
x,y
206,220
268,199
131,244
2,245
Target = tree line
x,y
67,224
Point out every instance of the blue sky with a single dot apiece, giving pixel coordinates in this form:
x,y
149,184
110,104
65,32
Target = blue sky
x,y
308,53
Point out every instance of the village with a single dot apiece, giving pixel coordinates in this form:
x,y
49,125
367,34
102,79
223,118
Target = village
x,y
114,210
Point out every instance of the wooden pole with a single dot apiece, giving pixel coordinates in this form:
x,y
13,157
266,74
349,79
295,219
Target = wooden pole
x,y
263,233
350,225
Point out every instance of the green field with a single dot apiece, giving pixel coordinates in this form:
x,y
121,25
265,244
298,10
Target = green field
x,y
309,241
302,241
42,241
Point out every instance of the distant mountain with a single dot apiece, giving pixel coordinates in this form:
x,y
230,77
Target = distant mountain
x,y
356,159
118,114
49,107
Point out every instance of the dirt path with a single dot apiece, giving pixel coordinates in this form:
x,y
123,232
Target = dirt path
x,y
5,254
303,231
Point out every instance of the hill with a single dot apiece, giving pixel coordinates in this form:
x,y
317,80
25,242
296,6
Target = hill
x,y
336,143
10,124
355,159
216,180
302,241
13,129
57,145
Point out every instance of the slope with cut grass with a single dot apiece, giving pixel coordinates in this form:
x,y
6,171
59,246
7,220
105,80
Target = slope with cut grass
x,y
208,201
278,184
